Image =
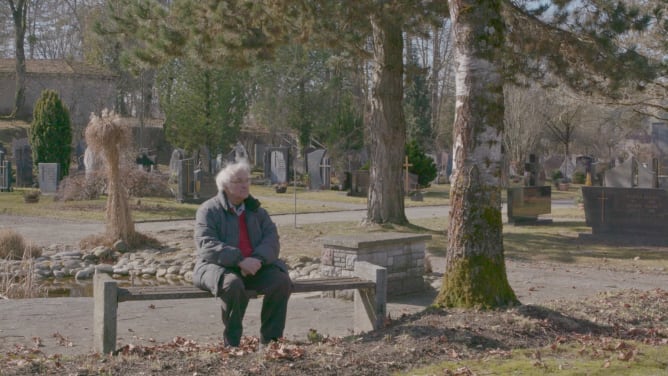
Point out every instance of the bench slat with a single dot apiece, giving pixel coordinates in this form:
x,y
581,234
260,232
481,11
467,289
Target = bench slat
x,y
191,292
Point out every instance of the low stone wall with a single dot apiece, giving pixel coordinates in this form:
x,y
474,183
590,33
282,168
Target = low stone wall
x,y
401,254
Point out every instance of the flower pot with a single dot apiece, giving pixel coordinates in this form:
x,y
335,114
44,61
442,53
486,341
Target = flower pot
x,y
564,186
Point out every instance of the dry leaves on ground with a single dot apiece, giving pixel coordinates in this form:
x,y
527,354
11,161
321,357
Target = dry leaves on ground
x,y
602,325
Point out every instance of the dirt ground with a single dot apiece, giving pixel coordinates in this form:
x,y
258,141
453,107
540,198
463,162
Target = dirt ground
x,y
560,303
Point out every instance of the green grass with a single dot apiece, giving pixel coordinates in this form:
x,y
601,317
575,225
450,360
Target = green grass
x,y
155,209
568,359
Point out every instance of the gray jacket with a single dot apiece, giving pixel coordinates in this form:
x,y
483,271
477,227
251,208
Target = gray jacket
x,y
217,240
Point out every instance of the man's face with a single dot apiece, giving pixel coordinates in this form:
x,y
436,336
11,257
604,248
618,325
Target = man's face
x,y
239,188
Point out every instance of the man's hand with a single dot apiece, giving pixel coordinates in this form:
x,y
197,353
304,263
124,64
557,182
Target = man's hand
x,y
250,266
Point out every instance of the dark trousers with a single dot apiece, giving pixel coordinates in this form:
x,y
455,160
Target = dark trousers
x,y
269,281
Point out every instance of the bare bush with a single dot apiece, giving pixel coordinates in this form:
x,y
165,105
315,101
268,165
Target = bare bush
x,y
78,187
147,184
14,247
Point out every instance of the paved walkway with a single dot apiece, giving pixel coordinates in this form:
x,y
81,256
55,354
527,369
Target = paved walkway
x,y
64,325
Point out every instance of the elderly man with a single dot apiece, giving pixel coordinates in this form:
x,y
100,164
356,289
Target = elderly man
x,y
237,249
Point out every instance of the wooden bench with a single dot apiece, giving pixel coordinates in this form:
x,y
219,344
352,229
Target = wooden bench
x,y
369,283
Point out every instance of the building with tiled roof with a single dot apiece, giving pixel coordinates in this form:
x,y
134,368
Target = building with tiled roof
x,y
84,88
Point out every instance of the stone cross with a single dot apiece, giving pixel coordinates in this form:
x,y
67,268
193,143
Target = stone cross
x,y
406,166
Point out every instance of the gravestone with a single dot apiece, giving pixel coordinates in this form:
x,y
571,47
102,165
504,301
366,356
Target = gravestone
x,y
260,154
79,154
93,162
48,177
276,165
5,172
620,176
660,141
551,164
630,174
23,162
631,212
314,161
240,152
645,177
359,186
186,186
567,168
326,173
526,204
531,169
177,155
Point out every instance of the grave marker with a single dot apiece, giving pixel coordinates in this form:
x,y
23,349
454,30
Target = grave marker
x,y
359,185
630,212
526,203
49,176
5,172
276,165
313,161
23,160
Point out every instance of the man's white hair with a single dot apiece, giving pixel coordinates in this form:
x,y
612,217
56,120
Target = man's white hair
x,y
230,170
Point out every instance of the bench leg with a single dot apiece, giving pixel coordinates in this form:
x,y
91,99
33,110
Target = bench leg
x,y
105,301
370,306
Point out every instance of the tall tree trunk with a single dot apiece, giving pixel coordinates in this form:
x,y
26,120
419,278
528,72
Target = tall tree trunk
x,y
475,273
19,13
387,127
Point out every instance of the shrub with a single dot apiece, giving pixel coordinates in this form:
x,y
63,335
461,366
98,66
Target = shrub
x,y
557,176
423,165
31,195
137,182
147,184
80,187
579,177
51,132
13,246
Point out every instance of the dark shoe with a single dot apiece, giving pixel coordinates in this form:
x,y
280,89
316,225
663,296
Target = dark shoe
x,y
264,341
228,343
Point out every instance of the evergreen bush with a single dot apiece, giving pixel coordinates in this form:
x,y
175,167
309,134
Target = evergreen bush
x,y
423,165
51,132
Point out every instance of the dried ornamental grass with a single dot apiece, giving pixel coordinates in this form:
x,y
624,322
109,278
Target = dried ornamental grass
x,y
109,136
13,246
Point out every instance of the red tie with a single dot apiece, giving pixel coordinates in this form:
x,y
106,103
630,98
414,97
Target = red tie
x,y
244,240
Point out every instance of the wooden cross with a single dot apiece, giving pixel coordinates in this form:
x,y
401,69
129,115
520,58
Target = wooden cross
x,y
407,165
602,198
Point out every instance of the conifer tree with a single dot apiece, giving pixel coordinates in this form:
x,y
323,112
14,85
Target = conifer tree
x,y
51,132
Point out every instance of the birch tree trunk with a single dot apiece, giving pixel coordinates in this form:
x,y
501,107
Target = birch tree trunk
x,y
475,273
387,134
